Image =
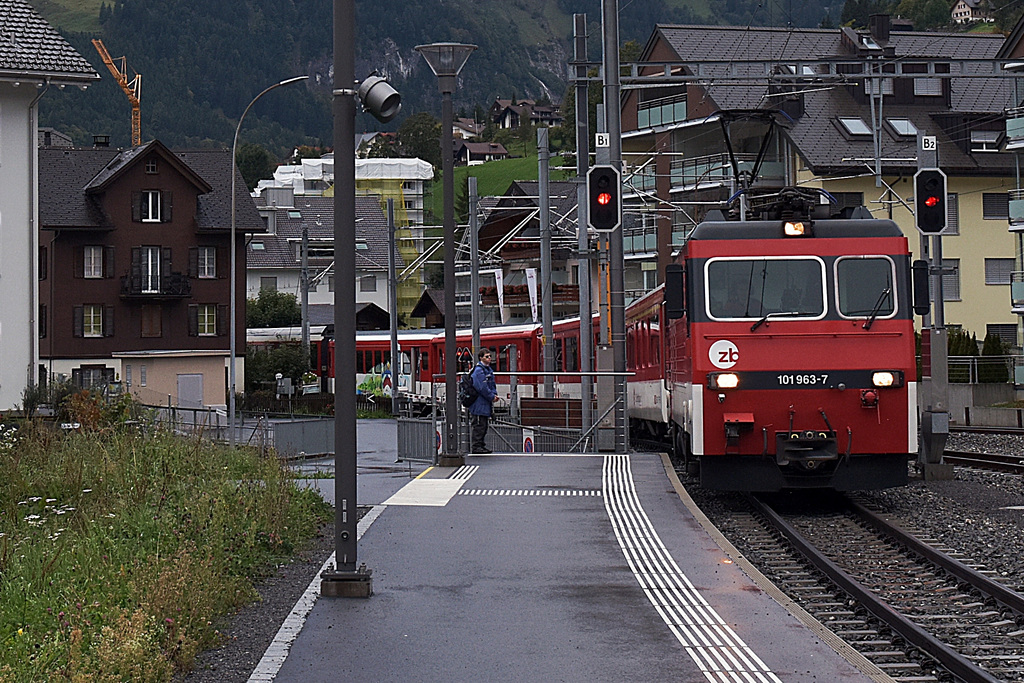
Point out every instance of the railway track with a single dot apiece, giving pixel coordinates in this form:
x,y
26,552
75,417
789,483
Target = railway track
x,y
911,606
998,462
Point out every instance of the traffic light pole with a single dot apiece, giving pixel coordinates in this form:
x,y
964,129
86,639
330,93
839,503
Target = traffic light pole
x,y
934,396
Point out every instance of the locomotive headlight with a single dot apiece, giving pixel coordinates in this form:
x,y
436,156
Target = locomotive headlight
x,y
723,380
887,378
796,228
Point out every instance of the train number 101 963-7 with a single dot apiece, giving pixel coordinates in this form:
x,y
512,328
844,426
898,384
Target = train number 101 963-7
x,y
803,380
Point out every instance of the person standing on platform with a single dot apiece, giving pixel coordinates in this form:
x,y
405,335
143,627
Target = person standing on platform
x,y
482,408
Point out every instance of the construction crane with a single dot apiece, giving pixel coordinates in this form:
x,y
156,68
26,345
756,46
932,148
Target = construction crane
x,y
131,88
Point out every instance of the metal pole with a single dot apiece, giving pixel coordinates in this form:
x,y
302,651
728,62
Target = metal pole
x,y
451,407
543,156
474,259
583,239
396,357
345,580
305,289
617,293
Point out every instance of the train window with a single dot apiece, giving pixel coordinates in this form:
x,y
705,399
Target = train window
x,y
865,286
750,288
559,355
424,361
572,355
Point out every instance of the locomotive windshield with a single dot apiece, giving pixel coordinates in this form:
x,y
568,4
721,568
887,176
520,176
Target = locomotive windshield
x,y
865,286
751,288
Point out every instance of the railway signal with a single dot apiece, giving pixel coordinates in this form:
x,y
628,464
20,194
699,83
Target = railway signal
x,y
930,200
604,193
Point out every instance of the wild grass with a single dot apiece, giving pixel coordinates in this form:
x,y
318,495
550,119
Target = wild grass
x,y
121,554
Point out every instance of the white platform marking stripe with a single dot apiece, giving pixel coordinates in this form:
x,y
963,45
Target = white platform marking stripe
x,y
276,653
712,645
527,492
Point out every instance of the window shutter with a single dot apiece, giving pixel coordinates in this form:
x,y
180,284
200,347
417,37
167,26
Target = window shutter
x,y
193,261
193,320
76,377
222,320
79,262
43,262
108,261
166,204
42,321
165,268
78,321
995,205
108,321
136,285
137,206
222,262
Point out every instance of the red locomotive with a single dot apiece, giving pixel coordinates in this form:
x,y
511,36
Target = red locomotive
x,y
780,351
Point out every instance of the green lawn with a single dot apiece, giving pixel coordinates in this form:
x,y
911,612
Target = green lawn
x,y
495,177
78,16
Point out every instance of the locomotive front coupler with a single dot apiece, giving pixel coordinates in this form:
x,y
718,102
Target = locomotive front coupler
x,y
808,448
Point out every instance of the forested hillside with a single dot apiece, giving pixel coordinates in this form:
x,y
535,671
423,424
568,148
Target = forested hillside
x,y
202,62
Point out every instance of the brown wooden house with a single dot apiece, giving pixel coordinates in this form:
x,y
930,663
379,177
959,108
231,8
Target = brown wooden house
x,y
134,269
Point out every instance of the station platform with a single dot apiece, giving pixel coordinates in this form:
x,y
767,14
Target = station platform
x,y
549,568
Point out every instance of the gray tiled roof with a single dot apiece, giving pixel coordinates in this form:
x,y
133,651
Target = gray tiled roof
x,y
815,133
318,215
66,175
29,46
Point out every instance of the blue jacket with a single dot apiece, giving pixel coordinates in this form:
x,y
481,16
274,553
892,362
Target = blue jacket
x,y
483,382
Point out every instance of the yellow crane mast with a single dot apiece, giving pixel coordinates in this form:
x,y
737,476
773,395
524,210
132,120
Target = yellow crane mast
x,y
131,88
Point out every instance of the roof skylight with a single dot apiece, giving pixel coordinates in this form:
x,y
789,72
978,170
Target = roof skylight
x,y
854,125
904,127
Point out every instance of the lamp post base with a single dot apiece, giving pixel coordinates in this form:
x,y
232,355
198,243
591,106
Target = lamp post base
x,y
451,461
339,584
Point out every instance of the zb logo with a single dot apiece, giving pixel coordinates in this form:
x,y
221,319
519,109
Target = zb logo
x,y
723,354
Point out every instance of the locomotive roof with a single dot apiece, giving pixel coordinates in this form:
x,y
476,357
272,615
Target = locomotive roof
x,y
821,229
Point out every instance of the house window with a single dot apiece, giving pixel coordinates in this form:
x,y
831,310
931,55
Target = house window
x,y
368,283
1007,332
206,320
92,320
42,321
150,206
207,266
268,283
92,376
854,125
151,166
128,375
950,281
998,271
142,375
903,127
330,283
93,262
952,214
361,244
995,206
149,264
152,321
985,140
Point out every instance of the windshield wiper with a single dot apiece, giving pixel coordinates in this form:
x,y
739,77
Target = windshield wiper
x,y
878,307
773,314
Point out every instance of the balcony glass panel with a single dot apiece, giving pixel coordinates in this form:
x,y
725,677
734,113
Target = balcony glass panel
x,y
1015,132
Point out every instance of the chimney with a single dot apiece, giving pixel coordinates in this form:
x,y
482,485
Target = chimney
x,y
879,27
101,141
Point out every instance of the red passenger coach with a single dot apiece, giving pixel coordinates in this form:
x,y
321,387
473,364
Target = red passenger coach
x,y
789,354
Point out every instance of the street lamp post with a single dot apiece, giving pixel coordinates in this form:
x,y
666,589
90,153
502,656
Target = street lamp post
x,y
234,258
446,61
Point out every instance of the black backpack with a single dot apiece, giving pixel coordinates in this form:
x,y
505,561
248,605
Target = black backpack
x,y
467,392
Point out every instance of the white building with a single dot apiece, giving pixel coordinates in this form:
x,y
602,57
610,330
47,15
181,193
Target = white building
x,y
33,59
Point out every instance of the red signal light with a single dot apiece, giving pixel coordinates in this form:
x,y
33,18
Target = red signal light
x,y
604,198
931,201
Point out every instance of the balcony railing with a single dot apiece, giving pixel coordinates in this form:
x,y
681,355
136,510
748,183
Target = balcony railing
x,y
177,286
1017,292
1015,128
717,168
1016,209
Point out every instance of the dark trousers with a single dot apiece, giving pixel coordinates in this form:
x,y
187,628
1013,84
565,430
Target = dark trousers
x,y
478,425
